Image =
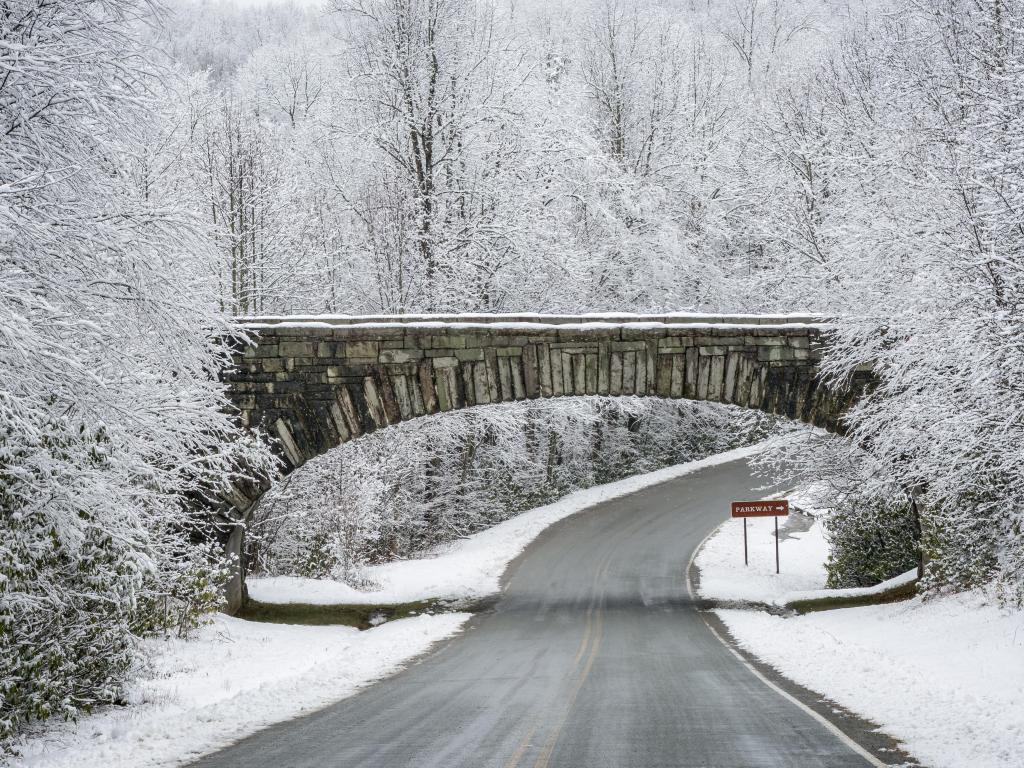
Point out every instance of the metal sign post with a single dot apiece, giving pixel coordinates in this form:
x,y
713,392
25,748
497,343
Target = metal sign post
x,y
776,545
777,508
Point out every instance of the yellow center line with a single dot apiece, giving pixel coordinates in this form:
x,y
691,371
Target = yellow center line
x,y
549,747
521,749
586,639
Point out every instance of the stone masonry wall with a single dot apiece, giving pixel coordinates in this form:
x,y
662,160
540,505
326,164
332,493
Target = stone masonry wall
x,y
315,384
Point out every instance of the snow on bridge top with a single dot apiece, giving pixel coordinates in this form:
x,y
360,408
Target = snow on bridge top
x,y
532,320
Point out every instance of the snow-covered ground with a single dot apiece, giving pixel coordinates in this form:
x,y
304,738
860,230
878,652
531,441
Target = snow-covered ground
x,y
472,567
946,676
233,678
802,556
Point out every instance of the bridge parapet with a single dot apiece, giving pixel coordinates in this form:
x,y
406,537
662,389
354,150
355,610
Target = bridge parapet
x,y
537,319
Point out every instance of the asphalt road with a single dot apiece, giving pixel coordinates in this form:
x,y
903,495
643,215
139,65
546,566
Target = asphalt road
x,y
593,657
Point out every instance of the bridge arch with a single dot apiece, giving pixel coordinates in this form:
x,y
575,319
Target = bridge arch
x,y
315,382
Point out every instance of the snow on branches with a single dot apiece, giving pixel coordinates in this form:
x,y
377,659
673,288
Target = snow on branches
x,y
111,345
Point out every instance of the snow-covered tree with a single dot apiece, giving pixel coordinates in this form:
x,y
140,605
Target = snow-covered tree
x,y
111,347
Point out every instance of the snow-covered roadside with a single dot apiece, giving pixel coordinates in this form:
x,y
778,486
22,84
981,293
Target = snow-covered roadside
x,y
233,678
945,677
802,556
470,568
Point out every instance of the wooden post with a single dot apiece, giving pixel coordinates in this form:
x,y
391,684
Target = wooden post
x,y
745,560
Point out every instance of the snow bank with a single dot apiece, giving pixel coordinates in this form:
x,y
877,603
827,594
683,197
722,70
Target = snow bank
x,y
234,678
946,677
801,556
802,553
903,580
470,568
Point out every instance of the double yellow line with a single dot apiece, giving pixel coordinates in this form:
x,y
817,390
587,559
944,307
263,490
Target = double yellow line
x,y
590,646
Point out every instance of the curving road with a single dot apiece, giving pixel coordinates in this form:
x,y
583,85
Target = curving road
x,y
594,657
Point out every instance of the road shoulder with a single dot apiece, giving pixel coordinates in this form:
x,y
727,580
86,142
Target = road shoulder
x,y
863,734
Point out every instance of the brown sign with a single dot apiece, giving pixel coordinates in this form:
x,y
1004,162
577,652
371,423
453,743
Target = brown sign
x,y
777,508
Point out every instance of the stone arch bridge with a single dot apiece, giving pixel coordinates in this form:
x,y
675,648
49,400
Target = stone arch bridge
x,y
314,382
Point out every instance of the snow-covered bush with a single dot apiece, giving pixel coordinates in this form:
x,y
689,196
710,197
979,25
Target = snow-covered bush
x,y
873,531
429,481
870,540
68,586
971,542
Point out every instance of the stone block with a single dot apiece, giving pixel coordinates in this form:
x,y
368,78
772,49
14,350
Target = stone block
x,y
544,370
297,349
722,341
576,348
288,443
518,384
365,349
451,342
591,376
268,350
692,373
775,353
425,386
663,378
531,372
579,374
374,403
642,334
629,372
400,355
678,375
557,380
603,369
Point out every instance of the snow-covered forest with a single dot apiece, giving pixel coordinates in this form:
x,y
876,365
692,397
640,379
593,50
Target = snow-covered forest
x,y
167,166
